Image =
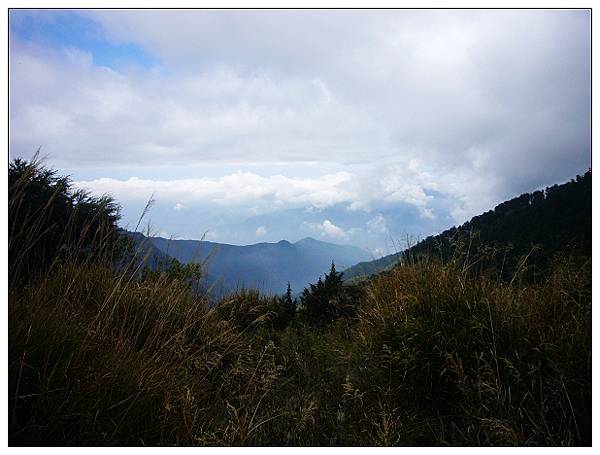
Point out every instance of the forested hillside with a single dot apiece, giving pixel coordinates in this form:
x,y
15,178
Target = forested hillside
x,y
105,351
536,225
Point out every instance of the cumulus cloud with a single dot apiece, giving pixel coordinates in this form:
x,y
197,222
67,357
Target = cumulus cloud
x,y
328,229
234,189
332,230
261,230
277,192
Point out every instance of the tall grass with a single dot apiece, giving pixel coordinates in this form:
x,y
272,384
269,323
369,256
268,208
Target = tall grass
x,y
433,355
486,363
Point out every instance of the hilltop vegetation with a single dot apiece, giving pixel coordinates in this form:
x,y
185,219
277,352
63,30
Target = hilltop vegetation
x,y
102,352
536,225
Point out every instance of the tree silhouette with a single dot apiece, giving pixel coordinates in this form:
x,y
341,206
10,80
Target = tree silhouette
x,y
49,221
322,302
534,225
283,309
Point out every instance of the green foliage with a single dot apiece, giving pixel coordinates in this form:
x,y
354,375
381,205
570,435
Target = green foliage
x,y
284,310
327,300
49,221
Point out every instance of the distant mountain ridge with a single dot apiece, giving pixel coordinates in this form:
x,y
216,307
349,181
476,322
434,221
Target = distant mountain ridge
x,y
558,218
266,266
367,268
153,258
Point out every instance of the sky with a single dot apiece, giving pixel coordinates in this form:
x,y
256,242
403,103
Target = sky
x,y
362,127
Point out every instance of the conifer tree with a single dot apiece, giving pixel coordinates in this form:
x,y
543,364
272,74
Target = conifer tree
x,y
285,309
320,302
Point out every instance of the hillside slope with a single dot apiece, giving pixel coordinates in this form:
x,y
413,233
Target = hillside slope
x,y
538,224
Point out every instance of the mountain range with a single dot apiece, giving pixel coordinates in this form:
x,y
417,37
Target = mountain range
x,y
265,266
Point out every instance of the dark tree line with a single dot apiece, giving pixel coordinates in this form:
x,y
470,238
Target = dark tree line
x,y
49,220
319,304
534,226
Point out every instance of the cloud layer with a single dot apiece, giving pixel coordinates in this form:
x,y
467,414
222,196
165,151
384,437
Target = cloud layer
x,y
270,193
444,111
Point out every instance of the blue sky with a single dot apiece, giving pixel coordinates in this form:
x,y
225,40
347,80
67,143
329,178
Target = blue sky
x,y
358,127
71,29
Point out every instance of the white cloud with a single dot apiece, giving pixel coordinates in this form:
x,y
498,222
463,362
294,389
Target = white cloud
x,y
427,213
258,194
326,94
235,189
378,225
328,229
333,231
261,230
